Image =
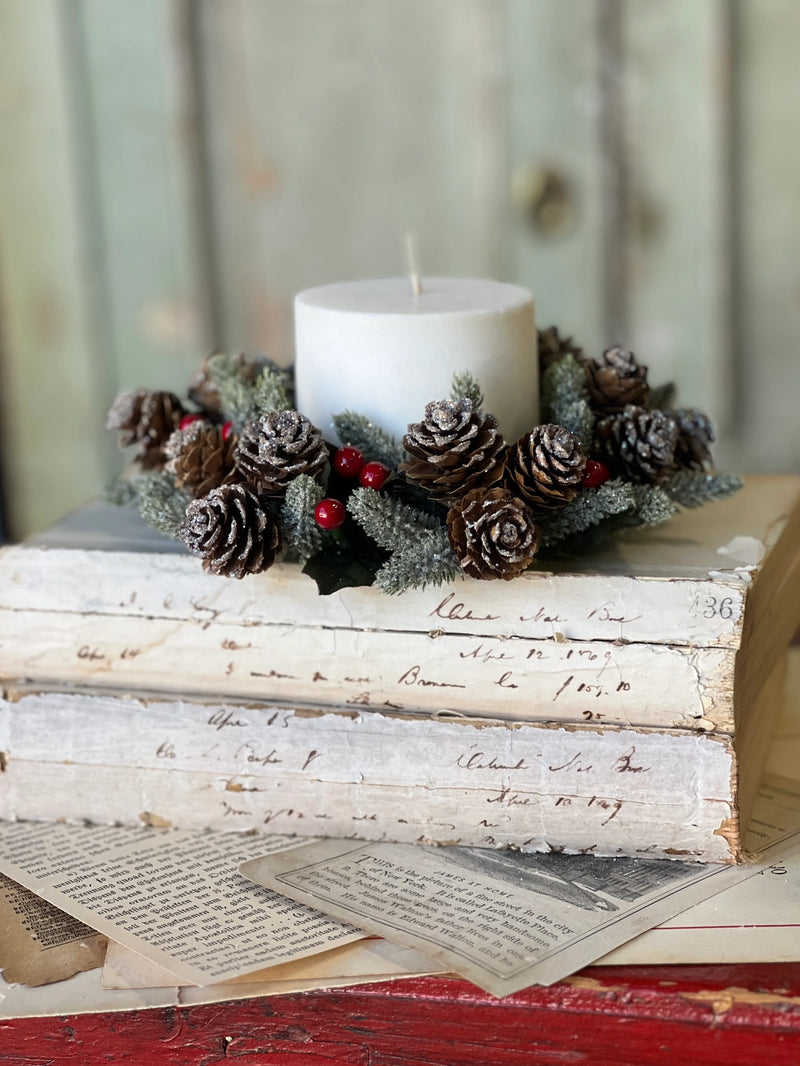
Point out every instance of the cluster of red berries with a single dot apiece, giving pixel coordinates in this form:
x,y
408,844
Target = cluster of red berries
x,y
350,464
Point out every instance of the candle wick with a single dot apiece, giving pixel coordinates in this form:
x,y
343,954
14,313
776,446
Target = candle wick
x,y
413,263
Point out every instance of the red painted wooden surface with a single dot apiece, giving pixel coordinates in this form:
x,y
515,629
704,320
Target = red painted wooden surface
x,y
610,1016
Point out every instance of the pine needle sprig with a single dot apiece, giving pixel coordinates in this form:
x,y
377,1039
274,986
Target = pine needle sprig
x,y
653,505
565,400
161,504
357,431
235,394
428,560
579,419
465,386
298,525
588,509
388,521
220,368
241,400
269,392
693,488
120,491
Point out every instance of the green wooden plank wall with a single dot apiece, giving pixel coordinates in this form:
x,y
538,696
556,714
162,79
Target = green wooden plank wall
x,y
172,171
52,445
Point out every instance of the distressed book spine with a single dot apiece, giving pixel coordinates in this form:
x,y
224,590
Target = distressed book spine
x,y
698,610
367,775
602,682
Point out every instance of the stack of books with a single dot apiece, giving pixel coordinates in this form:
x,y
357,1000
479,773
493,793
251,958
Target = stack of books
x,y
617,703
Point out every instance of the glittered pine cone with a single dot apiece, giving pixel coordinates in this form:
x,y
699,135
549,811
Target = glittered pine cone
x,y
492,533
638,444
201,457
453,451
552,346
616,380
545,467
277,447
231,532
146,419
695,436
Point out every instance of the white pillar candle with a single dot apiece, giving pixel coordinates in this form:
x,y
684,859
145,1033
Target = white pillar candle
x,y
384,351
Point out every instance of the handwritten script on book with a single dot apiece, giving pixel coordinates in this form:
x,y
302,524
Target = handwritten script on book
x,y
628,684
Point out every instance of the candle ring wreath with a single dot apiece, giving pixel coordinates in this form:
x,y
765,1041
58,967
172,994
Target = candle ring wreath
x,y
242,478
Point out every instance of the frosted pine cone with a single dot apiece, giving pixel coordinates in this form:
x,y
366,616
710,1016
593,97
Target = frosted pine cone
x,y
146,419
201,458
695,436
276,447
638,444
453,451
231,532
616,380
492,533
545,467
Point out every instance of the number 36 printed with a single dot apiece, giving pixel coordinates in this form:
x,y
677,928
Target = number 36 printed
x,y
717,607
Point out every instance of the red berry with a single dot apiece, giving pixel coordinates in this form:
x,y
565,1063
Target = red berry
x,y
594,474
329,513
373,475
188,419
227,430
348,462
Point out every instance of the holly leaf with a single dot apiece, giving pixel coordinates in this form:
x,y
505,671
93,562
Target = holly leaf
x,y
340,568
663,396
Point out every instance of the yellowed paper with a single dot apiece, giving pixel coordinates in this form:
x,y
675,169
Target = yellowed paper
x,y
374,958
174,896
39,943
82,994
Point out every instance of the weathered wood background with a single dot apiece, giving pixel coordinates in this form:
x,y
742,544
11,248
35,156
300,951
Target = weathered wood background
x,y
173,171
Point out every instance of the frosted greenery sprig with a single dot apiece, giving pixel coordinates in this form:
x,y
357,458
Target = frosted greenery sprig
x,y
235,395
120,491
389,522
588,509
652,505
465,386
421,552
617,503
565,401
427,560
693,488
240,400
269,392
301,533
161,504
357,431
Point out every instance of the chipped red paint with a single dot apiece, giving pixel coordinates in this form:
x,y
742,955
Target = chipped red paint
x,y
606,1016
